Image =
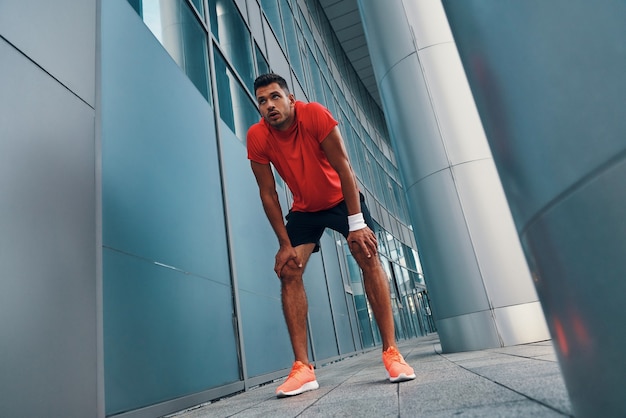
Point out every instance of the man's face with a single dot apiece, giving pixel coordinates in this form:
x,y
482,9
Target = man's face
x,y
276,106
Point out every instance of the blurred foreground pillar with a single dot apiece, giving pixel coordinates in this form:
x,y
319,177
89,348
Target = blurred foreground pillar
x,y
549,82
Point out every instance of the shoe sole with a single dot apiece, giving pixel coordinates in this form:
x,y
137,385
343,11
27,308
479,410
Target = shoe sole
x,y
304,388
401,378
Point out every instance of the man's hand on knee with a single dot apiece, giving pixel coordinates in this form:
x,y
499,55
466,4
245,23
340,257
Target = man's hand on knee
x,y
286,256
363,240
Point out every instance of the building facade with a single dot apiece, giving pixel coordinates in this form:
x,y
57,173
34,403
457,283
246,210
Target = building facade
x,y
136,257
180,209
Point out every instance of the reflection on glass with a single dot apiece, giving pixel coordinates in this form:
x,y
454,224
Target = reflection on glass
x,y
316,77
198,6
237,109
261,63
292,35
234,38
177,28
270,7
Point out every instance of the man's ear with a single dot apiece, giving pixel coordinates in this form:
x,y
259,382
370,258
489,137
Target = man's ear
x,y
292,98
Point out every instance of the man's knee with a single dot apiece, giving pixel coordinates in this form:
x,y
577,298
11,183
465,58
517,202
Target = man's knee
x,y
290,274
365,262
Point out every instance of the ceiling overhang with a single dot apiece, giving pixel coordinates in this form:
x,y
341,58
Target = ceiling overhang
x,y
345,20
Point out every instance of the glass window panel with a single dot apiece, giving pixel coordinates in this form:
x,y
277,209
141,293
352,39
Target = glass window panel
x,y
237,109
199,7
275,54
136,5
312,6
256,25
316,78
330,101
241,4
234,38
306,30
322,62
177,28
261,63
293,40
270,7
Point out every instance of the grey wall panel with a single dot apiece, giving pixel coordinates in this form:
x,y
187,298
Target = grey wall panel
x,y
276,57
255,22
489,223
400,37
454,106
455,285
469,332
512,331
48,317
410,117
60,36
428,23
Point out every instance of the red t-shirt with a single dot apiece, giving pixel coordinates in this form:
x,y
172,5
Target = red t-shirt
x,y
298,156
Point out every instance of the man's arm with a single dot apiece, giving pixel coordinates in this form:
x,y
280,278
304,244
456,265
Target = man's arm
x,y
336,153
271,205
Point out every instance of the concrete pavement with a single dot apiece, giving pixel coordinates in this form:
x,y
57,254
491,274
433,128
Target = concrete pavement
x,y
518,381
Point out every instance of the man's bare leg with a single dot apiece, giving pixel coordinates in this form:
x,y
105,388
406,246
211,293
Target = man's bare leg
x,y
295,305
377,290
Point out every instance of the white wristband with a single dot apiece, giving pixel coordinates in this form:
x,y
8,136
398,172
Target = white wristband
x,y
356,222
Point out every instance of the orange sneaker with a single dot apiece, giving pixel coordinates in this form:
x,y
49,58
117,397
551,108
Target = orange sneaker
x,y
397,369
301,379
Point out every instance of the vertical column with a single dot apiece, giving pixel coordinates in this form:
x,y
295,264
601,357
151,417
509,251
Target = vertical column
x,y
549,83
479,282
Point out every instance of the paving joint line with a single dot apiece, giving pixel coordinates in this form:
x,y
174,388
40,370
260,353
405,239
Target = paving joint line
x,y
509,388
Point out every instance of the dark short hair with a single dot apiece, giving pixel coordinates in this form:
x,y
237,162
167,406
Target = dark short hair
x,y
267,79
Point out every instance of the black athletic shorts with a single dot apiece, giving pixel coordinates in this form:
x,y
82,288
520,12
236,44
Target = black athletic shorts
x,y
308,227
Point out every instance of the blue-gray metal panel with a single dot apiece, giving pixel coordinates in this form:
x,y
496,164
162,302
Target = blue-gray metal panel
x,y
169,329
48,317
320,318
335,283
266,338
252,237
168,334
161,188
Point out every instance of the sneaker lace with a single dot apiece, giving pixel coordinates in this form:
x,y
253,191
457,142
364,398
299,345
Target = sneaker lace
x,y
394,356
296,369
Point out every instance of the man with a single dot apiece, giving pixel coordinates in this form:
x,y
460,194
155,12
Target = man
x,y
304,144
